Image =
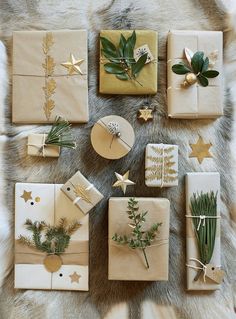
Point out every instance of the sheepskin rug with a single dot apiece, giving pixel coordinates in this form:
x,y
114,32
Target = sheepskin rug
x,y
113,299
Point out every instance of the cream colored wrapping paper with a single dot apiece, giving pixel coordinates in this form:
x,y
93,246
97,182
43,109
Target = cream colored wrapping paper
x,y
46,202
42,87
81,192
109,84
128,264
195,101
109,146
36,146
161,165
197,183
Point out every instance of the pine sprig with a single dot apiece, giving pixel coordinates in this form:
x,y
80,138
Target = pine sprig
x,y
139,239
204,204
56,238
60,134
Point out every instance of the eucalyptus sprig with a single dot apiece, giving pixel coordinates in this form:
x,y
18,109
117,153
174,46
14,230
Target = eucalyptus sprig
x,y
204,204
139,239
122,63
196,70
60,134
57,237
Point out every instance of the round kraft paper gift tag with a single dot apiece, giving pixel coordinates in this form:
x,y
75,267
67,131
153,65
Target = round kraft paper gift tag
x,y
52,263
112,137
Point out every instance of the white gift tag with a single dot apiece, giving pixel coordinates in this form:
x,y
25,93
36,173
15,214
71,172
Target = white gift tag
x,y
214,273
141,51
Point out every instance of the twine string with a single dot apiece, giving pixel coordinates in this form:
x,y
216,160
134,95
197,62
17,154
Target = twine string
x,y
202,219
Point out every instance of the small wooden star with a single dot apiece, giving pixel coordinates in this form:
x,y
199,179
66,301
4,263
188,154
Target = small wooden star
x,y
75,277
26,196
145,114
200,150
73,65
123,181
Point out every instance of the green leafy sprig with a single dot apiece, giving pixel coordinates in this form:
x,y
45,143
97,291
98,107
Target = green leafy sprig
x,y
60,134
199,66
204,204
122,62
57,237
139,239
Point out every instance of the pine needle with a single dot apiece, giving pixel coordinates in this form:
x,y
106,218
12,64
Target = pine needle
x,y
60,134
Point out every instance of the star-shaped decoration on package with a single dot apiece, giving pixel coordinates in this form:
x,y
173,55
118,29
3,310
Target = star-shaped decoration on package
x,y
73,65
123,181
26,196
200,150
145,114
75,277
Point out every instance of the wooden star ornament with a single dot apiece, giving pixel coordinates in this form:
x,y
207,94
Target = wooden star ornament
x,y
123,181
200,150
145,114
26,196
75,277
73,65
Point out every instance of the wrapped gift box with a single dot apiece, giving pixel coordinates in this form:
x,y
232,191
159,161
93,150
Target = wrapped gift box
x,y
128,264
195,101
46,202
161,165
81,192
197,183
42,87
36,146
109,84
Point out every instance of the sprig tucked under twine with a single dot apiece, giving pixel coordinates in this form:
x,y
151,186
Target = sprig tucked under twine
x,y
139,239
204,204
60,134
57,238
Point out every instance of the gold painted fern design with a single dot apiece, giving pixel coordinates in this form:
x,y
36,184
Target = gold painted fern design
x,y
82,192
50,84
161,167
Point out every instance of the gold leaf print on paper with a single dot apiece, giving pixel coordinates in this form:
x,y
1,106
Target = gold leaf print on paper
x,y
50,84
161,167
82,192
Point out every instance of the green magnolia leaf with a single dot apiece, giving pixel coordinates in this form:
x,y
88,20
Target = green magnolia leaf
x,y
203,80
128,53
180,68
122,45
132,39
197,62
210,73
137,67
113,58
113,68
205,65
108,46
123,76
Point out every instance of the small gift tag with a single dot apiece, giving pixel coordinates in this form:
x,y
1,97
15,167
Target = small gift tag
x,y
141,51
52,263
214,273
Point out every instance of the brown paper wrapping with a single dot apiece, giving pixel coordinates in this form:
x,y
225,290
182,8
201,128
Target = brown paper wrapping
x,y
36,146
108,146
195,101
109,84
128,264
70,96
195,183
75,254
93,195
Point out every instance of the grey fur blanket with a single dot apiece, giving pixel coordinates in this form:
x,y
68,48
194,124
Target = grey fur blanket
x,y
111,299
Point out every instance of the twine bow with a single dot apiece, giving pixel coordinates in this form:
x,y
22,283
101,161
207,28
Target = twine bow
x,y
40,146
203,267
202,219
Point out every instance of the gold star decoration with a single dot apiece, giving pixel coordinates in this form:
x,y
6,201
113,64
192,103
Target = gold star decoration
x,y
73,65
75,277
200,150
123,181
145,114
26,196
